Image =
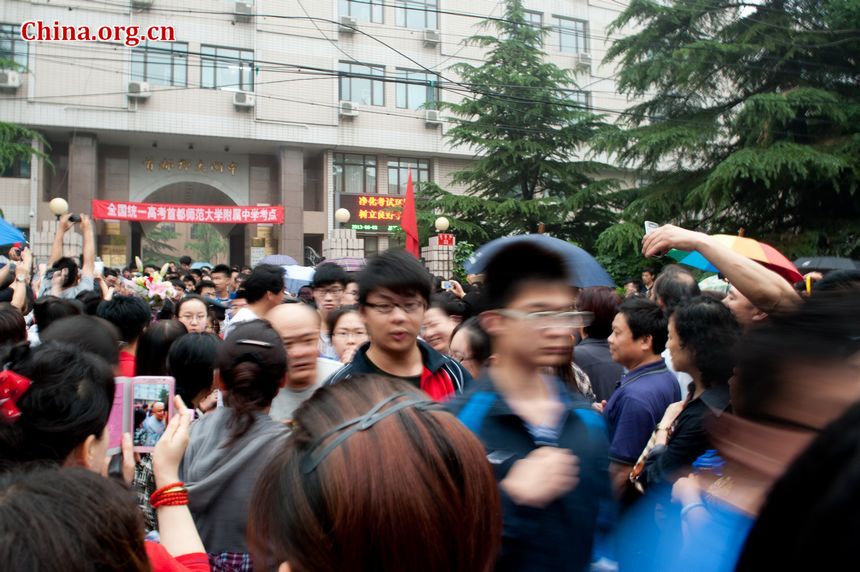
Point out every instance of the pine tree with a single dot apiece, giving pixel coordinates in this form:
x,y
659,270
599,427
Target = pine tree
x,y
529,138
749,117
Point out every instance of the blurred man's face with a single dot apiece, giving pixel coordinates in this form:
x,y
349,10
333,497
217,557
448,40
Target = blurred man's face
x,y
221,281
328,297
393,321
623,347
236,305
742,309
350,295
207,292
158,411
536,342
647,279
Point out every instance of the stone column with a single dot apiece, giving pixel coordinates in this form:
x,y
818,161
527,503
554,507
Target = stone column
x,y
291,194
83,172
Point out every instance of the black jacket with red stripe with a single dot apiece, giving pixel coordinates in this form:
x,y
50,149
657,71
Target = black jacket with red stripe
x,y
442,377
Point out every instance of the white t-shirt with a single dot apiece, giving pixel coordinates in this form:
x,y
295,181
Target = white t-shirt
x,y
243,315
684,379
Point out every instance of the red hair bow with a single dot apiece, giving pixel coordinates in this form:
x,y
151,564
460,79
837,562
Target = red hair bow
x,y
12,387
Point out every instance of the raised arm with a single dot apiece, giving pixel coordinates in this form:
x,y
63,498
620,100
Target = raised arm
x,y
88,267
63,226
767,290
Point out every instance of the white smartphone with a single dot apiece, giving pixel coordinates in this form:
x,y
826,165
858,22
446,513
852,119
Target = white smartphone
x,y
650,227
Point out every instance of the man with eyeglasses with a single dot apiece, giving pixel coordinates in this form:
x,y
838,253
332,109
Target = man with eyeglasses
x,y
393,294
328,286
547,445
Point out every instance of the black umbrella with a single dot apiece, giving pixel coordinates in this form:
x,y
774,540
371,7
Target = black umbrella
x,y
813,263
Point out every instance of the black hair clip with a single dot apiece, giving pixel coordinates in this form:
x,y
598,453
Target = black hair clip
x,y
375,415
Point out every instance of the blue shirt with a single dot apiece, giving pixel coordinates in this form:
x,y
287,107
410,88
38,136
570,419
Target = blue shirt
x,y
636,406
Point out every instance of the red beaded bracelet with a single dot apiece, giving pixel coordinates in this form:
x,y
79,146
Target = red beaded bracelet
x,y
170,495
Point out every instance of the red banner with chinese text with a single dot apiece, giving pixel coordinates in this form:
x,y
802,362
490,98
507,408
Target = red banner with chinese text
x,y
213,214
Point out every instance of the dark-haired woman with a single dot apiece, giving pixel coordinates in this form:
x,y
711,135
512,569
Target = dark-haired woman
x,y
376,478
702,338
230,446
154,344
55,405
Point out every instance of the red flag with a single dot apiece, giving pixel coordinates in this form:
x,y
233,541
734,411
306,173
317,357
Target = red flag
x,y
409,220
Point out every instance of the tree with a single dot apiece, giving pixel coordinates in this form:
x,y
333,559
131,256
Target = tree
x,y
749,117
209,243
15,140
156,245
529,137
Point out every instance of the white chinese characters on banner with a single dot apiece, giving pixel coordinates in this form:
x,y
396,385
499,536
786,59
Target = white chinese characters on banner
x,y
186,213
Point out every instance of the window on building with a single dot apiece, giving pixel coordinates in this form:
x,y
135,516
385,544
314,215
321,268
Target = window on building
x,y
17,169
581,98
362,10
398,174
535,20
416,14
416,88
12,45
357,84
354,174
226,68
160,63
571,35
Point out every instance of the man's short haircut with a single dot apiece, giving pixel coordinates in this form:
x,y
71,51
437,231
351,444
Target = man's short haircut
x,y
185,260
129,314
650,270
674,286
71,268
517,265
102,337
394,270
645,318
221,269
330,273
264,278
196,272
449,304
90,300
203,284
49,309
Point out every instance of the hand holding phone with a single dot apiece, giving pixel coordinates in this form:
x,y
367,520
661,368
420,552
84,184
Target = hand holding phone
x,y
446,285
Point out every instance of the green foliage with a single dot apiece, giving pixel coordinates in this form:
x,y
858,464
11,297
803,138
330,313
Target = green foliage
x,y
749,117
530,143
209,243
462,252
15,140
156,247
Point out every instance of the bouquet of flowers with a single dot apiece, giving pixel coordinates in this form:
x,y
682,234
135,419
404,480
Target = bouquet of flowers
x,y
153,288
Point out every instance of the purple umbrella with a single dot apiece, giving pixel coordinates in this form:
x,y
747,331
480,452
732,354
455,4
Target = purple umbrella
x,y
350,264
278,260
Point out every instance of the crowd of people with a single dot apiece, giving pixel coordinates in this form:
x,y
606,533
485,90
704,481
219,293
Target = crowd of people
x,y
378,421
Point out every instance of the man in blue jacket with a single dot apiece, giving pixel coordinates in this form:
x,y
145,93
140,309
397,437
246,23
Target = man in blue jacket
x,y
548,447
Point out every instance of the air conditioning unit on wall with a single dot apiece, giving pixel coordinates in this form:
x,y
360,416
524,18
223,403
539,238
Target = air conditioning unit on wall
x,y
432,118
138,90
348,109
347,25
244,10
10,79
432,38
243,99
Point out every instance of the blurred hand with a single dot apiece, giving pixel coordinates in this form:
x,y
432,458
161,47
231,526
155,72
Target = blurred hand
x,y
599,406
544,475
27,259
86,223
457,289
128,460
667,237
170,449
65,224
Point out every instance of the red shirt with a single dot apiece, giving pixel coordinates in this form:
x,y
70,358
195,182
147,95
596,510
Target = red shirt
x,y
162,561
126,364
